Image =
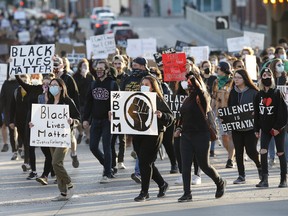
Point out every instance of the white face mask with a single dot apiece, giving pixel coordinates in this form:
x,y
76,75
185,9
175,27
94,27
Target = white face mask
x,y
271,56
184,84
283,56
145,88
280,69
35,82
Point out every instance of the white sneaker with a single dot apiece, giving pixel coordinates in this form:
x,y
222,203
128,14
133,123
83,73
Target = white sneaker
x,y
196,180
60,198
105,180
179,180
121,165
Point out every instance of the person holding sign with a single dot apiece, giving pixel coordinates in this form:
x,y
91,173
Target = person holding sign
x,y
270,116
58,95
147,146
244,92
195,137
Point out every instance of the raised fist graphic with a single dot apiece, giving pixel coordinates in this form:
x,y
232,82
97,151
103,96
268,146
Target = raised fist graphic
x,y
139,112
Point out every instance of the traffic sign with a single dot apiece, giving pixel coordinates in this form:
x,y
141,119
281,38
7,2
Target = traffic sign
x,y
222,22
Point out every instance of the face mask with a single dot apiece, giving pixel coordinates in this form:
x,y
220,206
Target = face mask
x,y
280,69
271,56
184,85
207,71
283,57
145,89
54,90
267,82
35,82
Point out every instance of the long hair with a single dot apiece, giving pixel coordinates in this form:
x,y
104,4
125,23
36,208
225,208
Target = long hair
x,y
63,93
82,61
272,67
247,79
154,84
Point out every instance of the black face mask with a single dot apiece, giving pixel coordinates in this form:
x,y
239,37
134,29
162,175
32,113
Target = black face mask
x,y
267,82
207,71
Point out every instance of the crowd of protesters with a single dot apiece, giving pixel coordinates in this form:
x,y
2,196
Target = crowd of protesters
x,y
219,82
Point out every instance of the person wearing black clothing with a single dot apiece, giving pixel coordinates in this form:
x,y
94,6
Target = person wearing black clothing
x,y
244,92
98,108
147,146
270,116
195,137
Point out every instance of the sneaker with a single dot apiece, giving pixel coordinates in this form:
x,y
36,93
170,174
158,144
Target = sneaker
x,y
142,197
25,167
133,154
240,180
14,156
32,176
221,187
105,180
61,197
5,148
174,169
179,180
79,138
75,161
136,178
229,164
185,198
21,153
196,180
121,165
70,190
42,180
272,162
162,190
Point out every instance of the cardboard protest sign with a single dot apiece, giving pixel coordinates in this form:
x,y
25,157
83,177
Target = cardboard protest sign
x,y
237,117
24,36
31,59
103,45
251,66
133,113
62,47
51,128
174,66
180,44
238,43
3,73
200,53
158,56
141,47
74,58
256,39
175,102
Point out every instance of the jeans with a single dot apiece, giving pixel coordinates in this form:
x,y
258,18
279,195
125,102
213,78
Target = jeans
x,y
101,128
271,149
137,168
196,144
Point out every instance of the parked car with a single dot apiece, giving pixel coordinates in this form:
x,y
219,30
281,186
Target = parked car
x,y
95,13
117,23
121,35
100,26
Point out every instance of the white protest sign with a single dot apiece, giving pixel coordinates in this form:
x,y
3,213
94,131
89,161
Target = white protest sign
x,y
19,15
256,39
200,53
51,128
74,58
251,66
3,73
141,47
133,113
284,90
103,45
24,36
31,59
237,44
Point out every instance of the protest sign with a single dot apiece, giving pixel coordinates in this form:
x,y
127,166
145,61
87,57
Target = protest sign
x,y
24,36
180,44
158,56
251,66
31,59
175,102
64,40
174,66
51,128
284,90
88,49
256,39
62,47
48,31
238,43
133,113
19,15
200,53
74,58
141,47
3,73
103,45
237,117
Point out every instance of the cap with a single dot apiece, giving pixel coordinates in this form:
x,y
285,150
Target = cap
x,y
225,67
267,70
57,61
140,61
118,57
